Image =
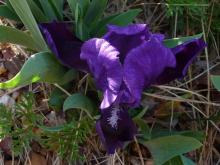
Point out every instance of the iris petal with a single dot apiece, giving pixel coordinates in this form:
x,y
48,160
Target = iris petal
x,y
127,30
185,54
105,66
63,44
144,64
114,128
127,38
110,144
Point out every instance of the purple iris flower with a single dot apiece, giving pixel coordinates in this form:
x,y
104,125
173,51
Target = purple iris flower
x,y
123,63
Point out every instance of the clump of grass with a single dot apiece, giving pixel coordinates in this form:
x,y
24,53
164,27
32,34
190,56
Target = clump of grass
x,y
194,7
19,123
25,126
67,139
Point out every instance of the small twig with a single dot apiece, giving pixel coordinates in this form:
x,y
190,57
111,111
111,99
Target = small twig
x,y
150,18
82,80
176,20
62,89
179,89
96,159
208,71
166,4
139,151
199,75
210,18
180,99
171,117
119,158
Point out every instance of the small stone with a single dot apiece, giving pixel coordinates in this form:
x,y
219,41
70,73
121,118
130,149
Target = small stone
x,y
7,101
37,159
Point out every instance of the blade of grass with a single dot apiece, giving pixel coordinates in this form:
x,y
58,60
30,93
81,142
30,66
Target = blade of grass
x,y
58,7
23,11
7,13
83,5
48,10
37,12
95,11
12,35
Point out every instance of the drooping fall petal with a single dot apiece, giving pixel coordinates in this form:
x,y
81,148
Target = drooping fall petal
x,y
114,128
64,44
184,54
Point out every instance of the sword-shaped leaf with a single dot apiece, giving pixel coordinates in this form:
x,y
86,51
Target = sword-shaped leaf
x,y
40,67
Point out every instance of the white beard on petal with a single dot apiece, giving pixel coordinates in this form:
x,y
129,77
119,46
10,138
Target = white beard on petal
x,y
113,119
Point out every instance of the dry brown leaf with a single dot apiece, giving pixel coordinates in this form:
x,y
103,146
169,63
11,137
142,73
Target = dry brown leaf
x,y
2,69
164,109
37,159
10,162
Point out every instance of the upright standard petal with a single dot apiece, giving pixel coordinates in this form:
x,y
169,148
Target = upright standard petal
x,y
114,128
105,66
185,54
127,38
64,44
144,64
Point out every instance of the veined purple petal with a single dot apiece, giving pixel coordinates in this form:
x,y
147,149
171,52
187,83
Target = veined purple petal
x,y
114,128
105,66
158,36
127,38
110,144
131,29
64,44
185,54
144,64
